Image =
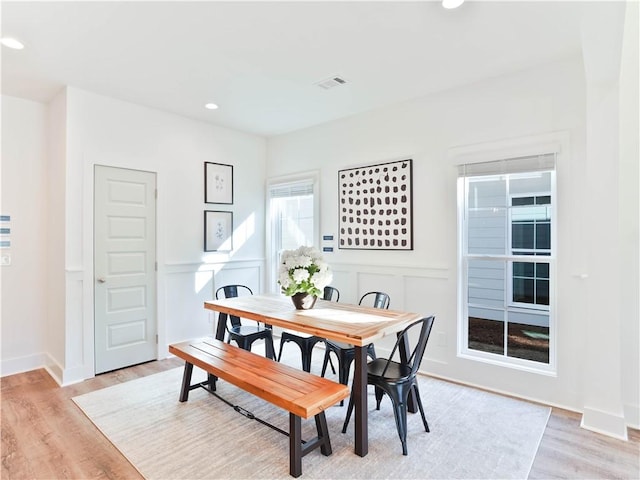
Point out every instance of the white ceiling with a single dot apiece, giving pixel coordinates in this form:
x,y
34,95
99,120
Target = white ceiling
x,y
259,60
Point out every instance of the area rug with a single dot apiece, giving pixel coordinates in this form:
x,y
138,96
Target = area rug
x,y
474,434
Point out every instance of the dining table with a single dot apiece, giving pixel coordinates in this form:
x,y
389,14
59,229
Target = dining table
x,y
342,322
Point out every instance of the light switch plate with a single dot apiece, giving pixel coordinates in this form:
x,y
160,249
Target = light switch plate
x,y
5,259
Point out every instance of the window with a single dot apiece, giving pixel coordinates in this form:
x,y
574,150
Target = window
x,y
292,221
506,261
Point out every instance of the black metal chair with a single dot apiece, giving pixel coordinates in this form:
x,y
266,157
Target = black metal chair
x,y
306,342
244,335
330,292
380,299
398,378
346,352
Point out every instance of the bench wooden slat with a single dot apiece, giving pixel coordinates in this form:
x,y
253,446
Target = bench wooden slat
x,y
296,391
283,379
262,366
258,374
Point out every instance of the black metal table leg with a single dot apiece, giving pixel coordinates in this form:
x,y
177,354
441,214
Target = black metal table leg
x,y
360,401
221,327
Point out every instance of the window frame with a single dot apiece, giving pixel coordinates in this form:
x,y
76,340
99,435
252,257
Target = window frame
x,y
272,263
556,144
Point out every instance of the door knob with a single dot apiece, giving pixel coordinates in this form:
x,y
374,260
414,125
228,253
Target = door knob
x,y
101,280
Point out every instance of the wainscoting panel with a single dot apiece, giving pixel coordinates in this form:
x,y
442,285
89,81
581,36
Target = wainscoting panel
x,y
189,285
400,282
424,290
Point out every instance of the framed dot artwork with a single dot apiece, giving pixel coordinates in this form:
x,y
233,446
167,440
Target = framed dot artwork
x,y
375,207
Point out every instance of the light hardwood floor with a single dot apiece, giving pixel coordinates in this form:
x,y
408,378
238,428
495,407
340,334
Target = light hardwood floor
x,y
45,436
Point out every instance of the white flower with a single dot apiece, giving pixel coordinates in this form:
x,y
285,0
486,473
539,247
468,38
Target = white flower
x,y
300,275
303,271
321,279
284,280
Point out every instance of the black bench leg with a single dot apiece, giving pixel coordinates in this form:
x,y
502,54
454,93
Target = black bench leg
x,y
323,434
211,380
295,445
186,381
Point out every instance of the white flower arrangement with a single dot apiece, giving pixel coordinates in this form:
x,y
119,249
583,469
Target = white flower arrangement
x,y
303,271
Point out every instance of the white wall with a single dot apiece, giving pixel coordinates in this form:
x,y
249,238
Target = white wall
x,y
531,103
54,267
629,200
24,194
87,130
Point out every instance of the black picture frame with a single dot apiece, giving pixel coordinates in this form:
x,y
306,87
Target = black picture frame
x,y
375,206
218,231
218,183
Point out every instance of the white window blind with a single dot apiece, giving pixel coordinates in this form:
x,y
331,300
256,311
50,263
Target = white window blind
x,y
294,189
534,163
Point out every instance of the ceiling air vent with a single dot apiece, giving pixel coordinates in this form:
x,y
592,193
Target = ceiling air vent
x,y
331,82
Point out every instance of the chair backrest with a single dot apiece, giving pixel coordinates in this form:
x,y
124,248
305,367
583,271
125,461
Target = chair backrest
x,y
380,299
415,357
329,293
230,291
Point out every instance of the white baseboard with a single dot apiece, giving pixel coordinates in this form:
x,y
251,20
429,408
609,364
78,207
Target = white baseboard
x,y
62,376
632,416
605,423
55,371
11,366
74,375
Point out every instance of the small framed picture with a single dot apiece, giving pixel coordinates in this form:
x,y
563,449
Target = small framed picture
x,y
218,183
218,231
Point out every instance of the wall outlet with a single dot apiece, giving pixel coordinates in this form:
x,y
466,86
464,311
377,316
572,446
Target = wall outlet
x,y
5,259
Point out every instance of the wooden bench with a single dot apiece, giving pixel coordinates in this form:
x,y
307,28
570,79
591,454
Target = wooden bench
x,y
302,394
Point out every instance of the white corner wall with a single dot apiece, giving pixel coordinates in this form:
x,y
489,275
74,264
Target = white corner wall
x,y
24,197
629,200
86,130
545,100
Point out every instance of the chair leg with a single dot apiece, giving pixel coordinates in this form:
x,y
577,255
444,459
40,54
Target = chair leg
x,y
348,417
325,362
306,357
424,418
398,399
401,422
371,351
333,369
282,342
343,371
270,351
344,365
379,395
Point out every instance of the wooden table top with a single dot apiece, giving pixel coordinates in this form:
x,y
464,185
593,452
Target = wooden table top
x,y
340,322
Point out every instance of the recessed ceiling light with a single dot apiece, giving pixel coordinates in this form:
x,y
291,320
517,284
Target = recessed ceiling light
x,y
211,106
449,4
12,43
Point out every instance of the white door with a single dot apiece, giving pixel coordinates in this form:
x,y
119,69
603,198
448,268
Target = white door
x,y
124,267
